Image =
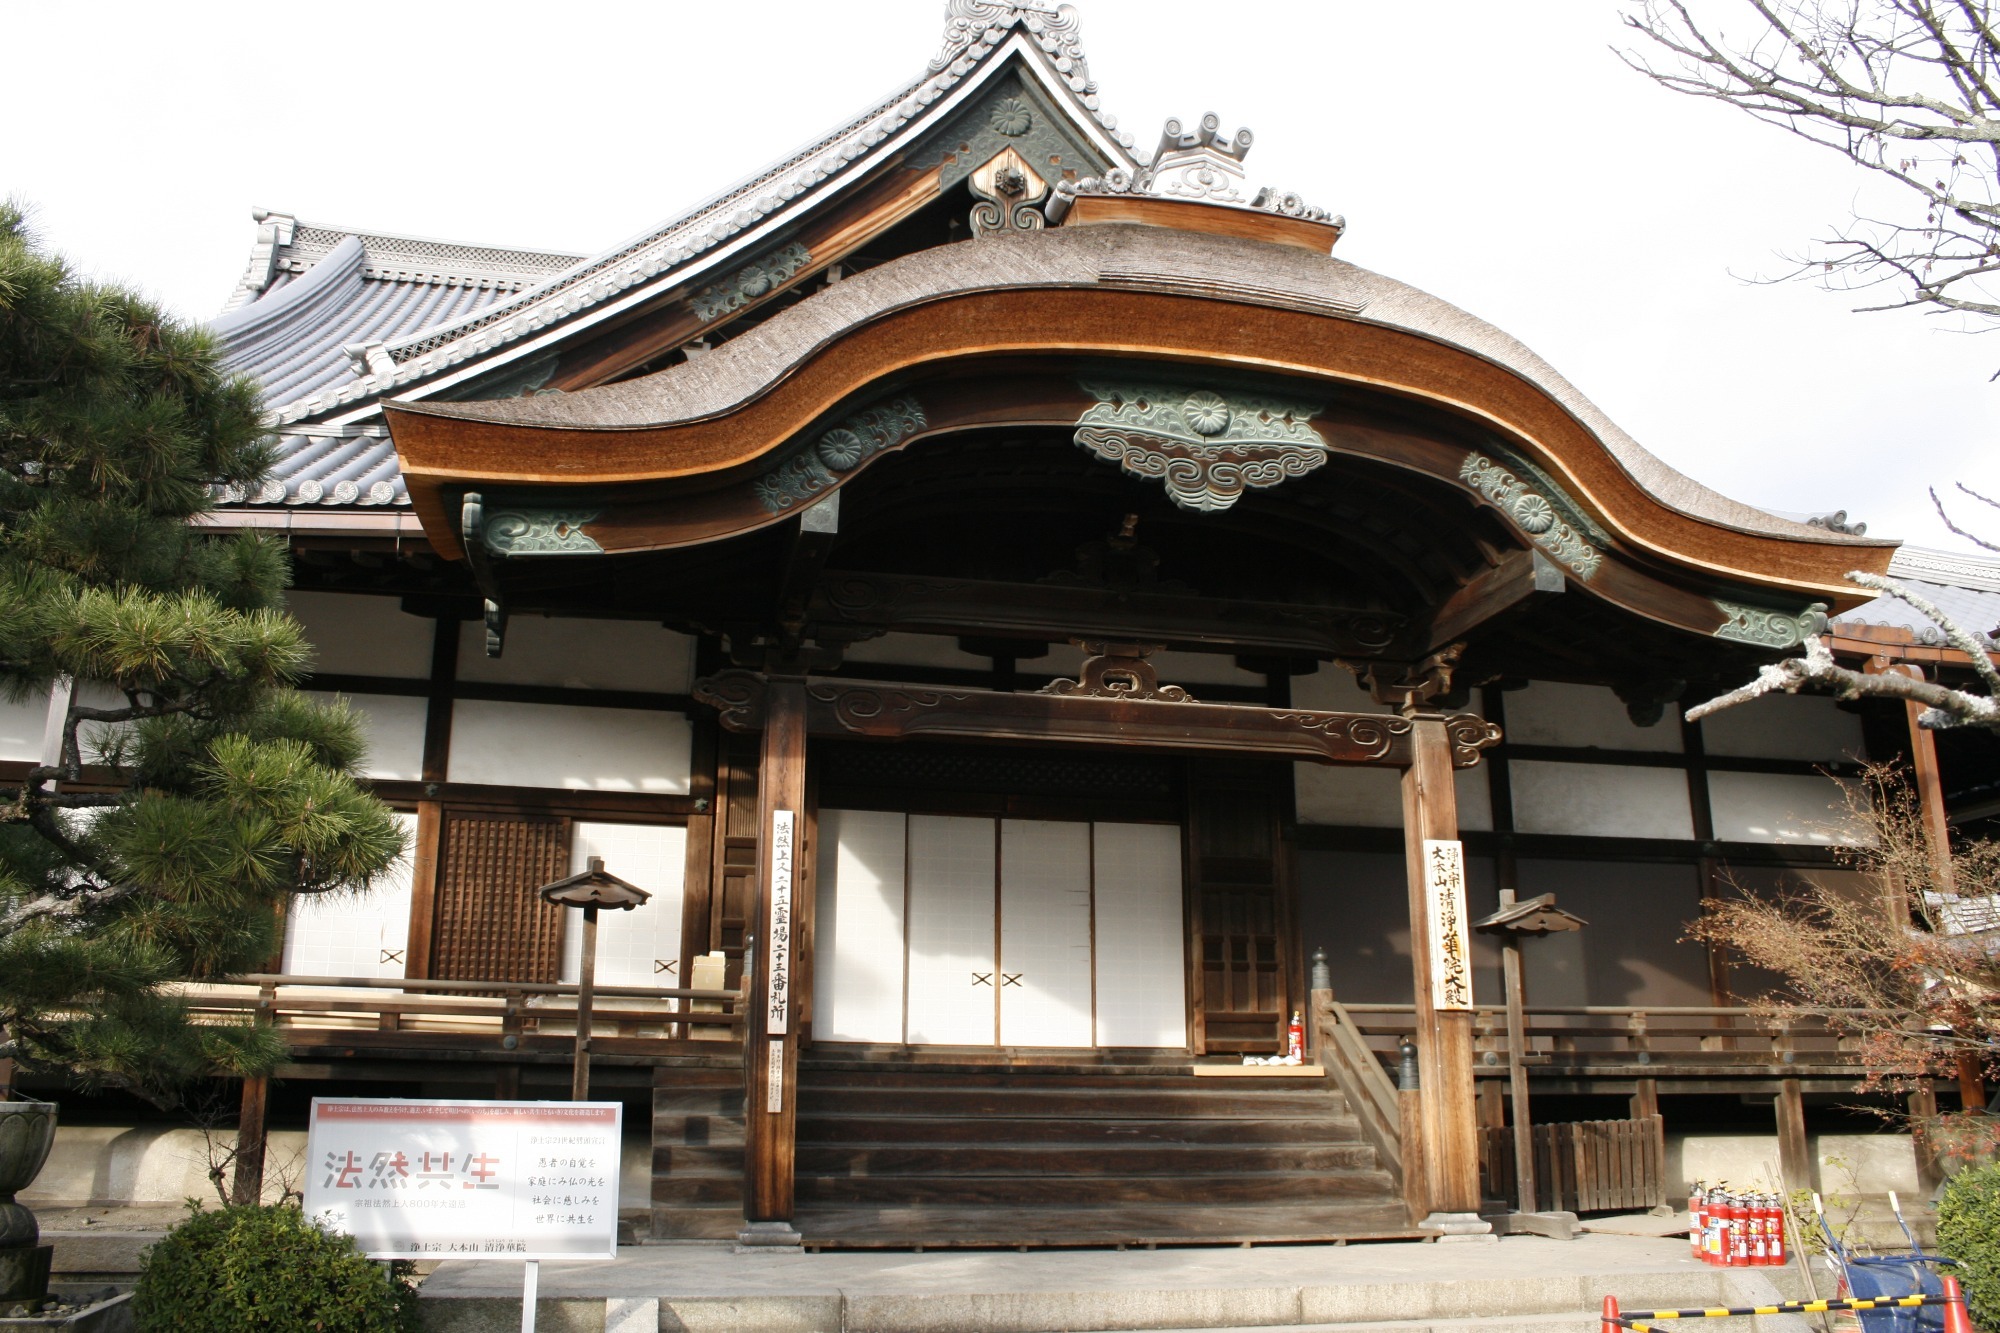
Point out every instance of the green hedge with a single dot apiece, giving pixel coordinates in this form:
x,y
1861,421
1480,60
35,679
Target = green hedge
x,y
1969,1231
270,1270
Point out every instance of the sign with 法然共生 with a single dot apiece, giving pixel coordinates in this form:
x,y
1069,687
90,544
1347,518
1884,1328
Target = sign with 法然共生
x,y
1444,916
466,1180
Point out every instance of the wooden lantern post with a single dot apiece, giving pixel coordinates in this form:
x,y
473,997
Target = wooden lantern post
x,y
1512,923
596,887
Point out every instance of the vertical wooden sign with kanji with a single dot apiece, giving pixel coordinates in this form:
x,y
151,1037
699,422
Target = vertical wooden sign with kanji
x,y
1444,902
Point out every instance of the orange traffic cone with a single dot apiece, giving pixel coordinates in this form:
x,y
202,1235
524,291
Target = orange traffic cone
x,y
1611,1324
1956,1318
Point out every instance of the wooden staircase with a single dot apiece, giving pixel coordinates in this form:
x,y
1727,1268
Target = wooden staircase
x,y
1150,1155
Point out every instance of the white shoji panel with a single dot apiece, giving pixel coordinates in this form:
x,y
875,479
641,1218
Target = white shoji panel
x,y
641,947
1141,965
1044,933
858,949
951,876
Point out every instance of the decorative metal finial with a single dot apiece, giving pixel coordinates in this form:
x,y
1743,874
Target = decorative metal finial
x,y
1322,975
1406,1066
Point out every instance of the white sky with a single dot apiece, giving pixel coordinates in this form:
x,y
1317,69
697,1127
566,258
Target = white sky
x,y
1496,155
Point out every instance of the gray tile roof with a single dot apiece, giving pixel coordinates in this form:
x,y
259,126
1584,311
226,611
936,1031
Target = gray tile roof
x,y
1964,587
329,291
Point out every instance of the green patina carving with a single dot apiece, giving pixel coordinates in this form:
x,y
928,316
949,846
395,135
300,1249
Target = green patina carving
x,y
847,446
521,530
1767,628
753,280
1208,445
1013,116
1551,520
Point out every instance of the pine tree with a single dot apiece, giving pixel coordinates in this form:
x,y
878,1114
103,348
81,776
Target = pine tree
x,y
195,792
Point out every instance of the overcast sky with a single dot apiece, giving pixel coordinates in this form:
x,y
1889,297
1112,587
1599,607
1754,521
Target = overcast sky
x,y
1496,155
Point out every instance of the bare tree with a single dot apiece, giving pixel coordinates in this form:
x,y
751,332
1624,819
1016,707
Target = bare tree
x,y
1907,89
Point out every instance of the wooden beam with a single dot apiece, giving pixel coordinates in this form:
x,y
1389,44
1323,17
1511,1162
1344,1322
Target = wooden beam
x,y
812,542
1053,612
1517,582
1444,1038
772,1049
858,710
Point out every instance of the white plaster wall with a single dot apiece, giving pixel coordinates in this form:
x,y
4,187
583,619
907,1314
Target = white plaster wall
x,y
567,746
1600,800
1842,1163
1782,807
354,934
1556,713
582,654
359,635
632,946
858,936
1373,797
930,650
393,725
1785,726
22,726
105,1165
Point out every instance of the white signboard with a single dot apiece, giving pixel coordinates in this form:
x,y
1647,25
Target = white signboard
x,y
467,1180
778,978
1444,906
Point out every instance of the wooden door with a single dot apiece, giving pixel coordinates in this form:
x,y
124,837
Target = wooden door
x,y
491,926
1045,981
1239,909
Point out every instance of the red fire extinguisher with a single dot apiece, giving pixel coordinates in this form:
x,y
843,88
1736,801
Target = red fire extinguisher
x,y
1739,1232
1774,1232
1713,1241
1296,1039
1697,1217
1754,1215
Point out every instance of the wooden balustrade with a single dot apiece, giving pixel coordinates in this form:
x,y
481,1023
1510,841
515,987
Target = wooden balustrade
x,y
1586,1166
1340,1047
357,1015
1643,1041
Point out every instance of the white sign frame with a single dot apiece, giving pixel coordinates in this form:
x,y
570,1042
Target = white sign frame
x,y
518,1163
1444,917
778,948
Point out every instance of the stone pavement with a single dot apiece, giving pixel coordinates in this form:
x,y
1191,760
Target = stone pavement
x,y
1522,1283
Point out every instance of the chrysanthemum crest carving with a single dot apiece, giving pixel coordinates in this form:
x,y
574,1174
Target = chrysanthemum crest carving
x,y
1208,445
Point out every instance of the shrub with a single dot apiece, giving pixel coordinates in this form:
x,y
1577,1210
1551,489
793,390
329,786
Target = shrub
x,y
269,1269
1969,1231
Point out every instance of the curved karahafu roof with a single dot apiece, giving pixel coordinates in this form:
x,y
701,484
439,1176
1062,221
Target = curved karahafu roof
x,y
1171,294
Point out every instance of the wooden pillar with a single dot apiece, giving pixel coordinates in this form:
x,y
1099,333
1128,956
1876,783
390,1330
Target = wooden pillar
x,y
1923,1116
772,1057
1444,1038
1794,1156
430,812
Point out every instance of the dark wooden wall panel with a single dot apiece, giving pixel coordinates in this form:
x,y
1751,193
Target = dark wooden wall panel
x,y
490,924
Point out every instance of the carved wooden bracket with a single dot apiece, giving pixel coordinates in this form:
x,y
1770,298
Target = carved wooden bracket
x,y
1409,685
1118,671
872,710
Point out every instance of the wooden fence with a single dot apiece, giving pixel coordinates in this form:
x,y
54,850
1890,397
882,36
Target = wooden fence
x,y
1585,1166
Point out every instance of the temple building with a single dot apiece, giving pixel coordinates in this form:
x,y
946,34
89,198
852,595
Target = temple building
x,y
1036,620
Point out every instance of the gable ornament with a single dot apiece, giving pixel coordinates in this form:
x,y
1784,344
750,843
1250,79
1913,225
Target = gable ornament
x,y
1207,445
1009,192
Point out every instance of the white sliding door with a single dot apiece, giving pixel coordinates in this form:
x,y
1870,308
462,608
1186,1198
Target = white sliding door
x,y
1141,959
642,946
858,973
1045,982
967,931
950,932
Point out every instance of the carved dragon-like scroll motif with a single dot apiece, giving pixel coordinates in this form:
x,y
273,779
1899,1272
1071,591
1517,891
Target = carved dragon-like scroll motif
x,y
754,280
1207,445
1372,736
1538,514
1469,733
1767,628
736,696
876,709
847,446
526,531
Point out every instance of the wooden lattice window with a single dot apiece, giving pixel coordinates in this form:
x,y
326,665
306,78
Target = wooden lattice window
x,y
491,926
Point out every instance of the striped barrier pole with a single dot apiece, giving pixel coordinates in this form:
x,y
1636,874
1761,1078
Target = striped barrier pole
x,y
1956,1318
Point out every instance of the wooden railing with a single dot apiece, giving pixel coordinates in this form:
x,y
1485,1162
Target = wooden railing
x,y
1635,1041
326,1015
1343,1050
1585,1166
